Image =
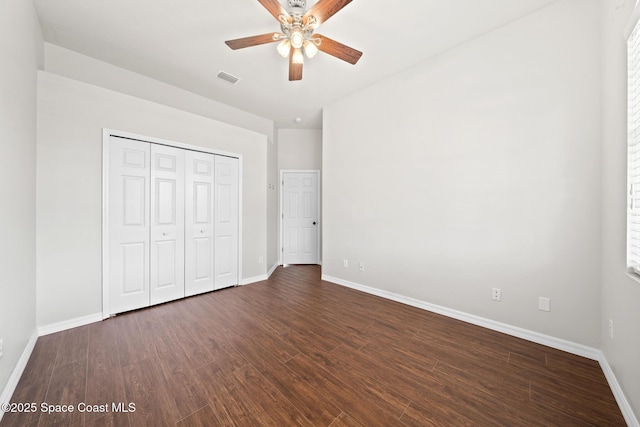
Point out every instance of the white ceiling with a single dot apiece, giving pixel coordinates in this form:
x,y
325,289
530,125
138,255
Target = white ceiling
x,y
181,42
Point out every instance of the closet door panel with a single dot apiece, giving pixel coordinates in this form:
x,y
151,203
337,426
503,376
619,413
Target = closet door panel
x,y
167,223
199,253
128,201
226,221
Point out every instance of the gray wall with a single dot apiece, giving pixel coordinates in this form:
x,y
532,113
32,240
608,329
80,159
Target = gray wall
x,y
478,169
300,149
20,56
76,66
620,293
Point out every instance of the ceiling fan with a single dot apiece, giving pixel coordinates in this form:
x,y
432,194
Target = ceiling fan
x,y
297,34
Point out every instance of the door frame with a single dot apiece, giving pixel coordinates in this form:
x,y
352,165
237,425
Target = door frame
x,y
281,213
106,135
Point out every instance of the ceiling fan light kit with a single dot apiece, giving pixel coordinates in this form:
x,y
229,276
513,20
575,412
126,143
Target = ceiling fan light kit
x,y
297,37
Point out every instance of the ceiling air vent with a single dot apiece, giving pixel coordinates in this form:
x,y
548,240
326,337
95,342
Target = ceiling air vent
x,y
227,77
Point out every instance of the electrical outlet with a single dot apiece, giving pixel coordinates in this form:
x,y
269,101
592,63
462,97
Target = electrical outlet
x,y
1,347
260,260
361,266
345,263
496,294
610,328
544,304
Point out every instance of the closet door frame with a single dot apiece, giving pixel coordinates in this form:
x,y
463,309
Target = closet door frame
x,y
106,135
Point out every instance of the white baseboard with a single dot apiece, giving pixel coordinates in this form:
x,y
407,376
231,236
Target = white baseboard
x,y
68,324
272,269
262,277
255,279
8,390
549,341
621,398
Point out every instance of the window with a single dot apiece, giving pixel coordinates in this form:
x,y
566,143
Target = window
x,y
633,156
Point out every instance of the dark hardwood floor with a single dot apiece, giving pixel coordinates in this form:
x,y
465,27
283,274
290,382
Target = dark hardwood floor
x,y
298,351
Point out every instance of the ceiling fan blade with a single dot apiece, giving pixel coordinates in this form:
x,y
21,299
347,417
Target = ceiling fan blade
x,y
274,7
338,49
325,9
253,40
295,64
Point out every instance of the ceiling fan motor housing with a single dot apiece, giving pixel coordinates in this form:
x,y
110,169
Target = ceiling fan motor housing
x,y
297,6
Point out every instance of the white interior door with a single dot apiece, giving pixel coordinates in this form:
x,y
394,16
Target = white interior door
x,y
226,221
199,259
167,223
300,218
128,201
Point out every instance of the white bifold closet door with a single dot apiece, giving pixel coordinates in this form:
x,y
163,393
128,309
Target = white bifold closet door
x,y
226,221
172,223
129,224
167,223
199,229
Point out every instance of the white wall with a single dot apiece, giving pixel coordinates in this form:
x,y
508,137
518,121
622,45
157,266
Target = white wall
x,y
71,116
620,294
20,56
76,66
300,149
273,210
478,169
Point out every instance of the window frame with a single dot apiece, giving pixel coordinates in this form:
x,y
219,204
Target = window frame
x,y
632,35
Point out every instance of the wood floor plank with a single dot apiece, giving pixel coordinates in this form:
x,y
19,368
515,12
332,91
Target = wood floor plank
x,y
312,405
403,359
200,418
352,401
180,377
345,420
275,343
227,411
374,391
268,397
35,380
427,391
104,377
73,346
576,405
449,343
417,416
132,345
296,350
576,368
67,389
489,379
248,412
159,337
154,405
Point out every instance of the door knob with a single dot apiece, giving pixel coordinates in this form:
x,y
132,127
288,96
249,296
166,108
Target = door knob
x,y
314,223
